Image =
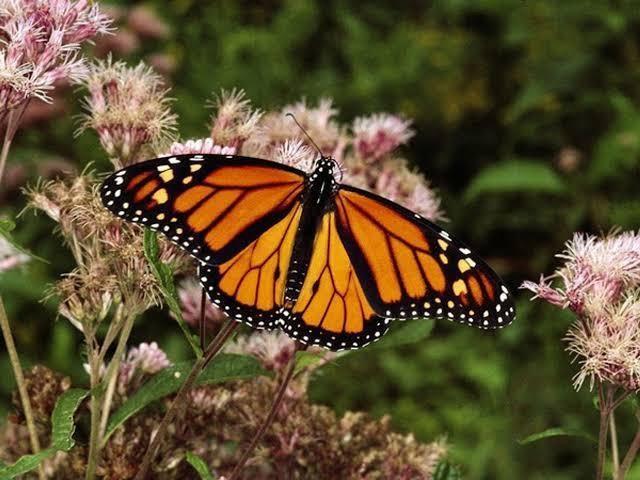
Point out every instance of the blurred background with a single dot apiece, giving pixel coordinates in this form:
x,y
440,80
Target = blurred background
x,y
527,116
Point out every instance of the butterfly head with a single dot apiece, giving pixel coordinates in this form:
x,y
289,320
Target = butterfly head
x,y
328,168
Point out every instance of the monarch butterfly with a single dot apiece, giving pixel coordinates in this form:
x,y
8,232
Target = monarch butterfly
x,y
327,263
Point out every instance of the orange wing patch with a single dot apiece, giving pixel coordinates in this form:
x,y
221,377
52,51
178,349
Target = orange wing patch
x,y
331,297
256,276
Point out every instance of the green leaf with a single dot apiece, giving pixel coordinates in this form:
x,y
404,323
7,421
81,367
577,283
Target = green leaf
x,y
447,471
164,275
516,176
199,466
6,227
405,333
224,367
305,359
61,436
556,432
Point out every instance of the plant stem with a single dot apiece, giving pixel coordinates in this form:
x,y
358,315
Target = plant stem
x,y
282,388
630,456
94,436
111,377
179,400
615,457
605,412
19,376
13,121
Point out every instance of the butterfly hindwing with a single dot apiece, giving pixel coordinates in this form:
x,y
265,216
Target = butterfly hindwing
x,y
411,268
213,206
331,309
249,287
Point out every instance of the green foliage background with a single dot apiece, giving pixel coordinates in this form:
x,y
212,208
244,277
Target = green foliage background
x,y
502,93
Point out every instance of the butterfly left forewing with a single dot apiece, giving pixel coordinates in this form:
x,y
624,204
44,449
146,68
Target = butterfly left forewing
x,y
213,206
411,268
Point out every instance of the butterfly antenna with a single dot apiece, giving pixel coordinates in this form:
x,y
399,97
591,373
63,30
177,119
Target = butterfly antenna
x,y
305,132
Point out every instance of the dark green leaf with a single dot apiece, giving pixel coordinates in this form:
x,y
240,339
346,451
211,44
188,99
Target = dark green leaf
x,y
199,466
164,276
6,227
61,436
556,432
516,176
224,367
446,471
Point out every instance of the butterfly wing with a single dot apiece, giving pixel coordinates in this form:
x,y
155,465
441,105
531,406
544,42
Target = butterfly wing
x,y
331,310
410,268
249,287
213,206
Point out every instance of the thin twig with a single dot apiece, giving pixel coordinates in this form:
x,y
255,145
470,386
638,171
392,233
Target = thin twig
x,y
179,400
111,376
22,387
203,326
282,388
94,434
630,456
13,122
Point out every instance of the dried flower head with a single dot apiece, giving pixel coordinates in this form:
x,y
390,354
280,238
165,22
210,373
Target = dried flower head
x,y
129,109
379,134
600,283
10,256
109,253
41,41
234,120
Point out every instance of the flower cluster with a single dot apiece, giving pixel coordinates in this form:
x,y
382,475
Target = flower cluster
x,y
305,441
40,46
142,361
600,284
111,266
129,109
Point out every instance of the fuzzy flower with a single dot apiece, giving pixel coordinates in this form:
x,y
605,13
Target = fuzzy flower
x,y
234,120
190,295
109,253
600,283
295,153
40,46
144,360
201,145
379,134
277,127
274,349
10,256
129,110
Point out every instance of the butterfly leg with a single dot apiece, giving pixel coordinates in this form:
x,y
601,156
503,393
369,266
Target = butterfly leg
x,y
282,388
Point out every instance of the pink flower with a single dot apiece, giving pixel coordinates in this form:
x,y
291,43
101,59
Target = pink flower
x,y
201,145
379,134
274,349
190,295
235,120
41,46
129,110
600,283
146,359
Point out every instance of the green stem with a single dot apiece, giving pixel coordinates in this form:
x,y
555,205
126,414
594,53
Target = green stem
x,y
605,399
13,122
179,401
22,387
111,377
94,436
